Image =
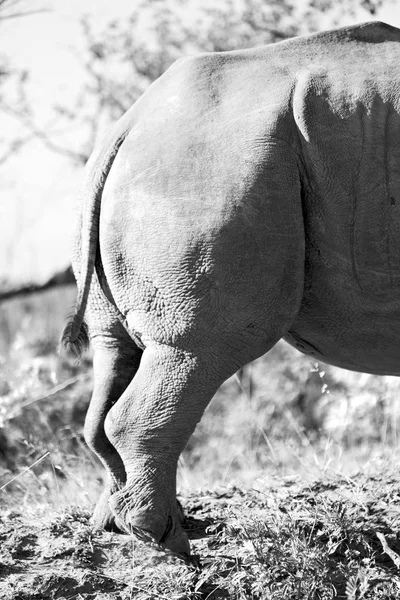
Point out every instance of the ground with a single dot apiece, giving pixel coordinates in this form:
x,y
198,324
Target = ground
x,y
330,539
289,483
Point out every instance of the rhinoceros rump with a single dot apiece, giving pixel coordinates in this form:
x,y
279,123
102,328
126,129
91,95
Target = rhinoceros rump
x,y
246,197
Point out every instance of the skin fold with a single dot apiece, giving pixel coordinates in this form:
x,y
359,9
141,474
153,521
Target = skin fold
x,y
246,197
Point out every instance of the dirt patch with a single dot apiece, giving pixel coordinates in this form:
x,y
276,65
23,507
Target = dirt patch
x,y
320,541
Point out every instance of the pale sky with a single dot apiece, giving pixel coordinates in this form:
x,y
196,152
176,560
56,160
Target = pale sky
x,y
37,188
45,43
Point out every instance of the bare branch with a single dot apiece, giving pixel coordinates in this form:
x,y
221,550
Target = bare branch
x,y
11,4
15,146
40,133
23,14
77,157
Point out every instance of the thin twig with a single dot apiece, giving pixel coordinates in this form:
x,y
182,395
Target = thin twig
x,y
22,14
55,390
25,470
386,548
40,134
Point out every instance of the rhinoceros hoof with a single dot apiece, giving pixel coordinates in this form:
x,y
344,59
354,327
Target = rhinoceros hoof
x,y
103,517
149,527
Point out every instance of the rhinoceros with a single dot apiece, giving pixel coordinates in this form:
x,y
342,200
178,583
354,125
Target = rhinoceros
x,y
246,197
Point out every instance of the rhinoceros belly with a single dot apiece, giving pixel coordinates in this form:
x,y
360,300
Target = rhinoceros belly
x,y
346,320
341,334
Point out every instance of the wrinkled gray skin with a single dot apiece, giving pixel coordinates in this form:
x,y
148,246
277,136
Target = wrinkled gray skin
x,y
246,197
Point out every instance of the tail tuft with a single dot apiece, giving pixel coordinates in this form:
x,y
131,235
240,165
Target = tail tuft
x,y
74,342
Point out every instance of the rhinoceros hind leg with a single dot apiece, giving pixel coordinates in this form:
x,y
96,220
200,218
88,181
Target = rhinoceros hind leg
x,y
114,367
150,426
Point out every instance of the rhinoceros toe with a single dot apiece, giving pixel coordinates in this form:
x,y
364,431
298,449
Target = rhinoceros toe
x,y
103,517
164,529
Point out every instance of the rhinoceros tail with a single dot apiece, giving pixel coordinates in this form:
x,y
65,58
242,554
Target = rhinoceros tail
x,y
75,343
75,337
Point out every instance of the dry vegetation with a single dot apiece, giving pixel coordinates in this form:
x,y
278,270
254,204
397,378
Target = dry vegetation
x,y
288,482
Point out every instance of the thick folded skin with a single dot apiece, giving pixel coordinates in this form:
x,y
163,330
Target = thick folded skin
x,y
246,197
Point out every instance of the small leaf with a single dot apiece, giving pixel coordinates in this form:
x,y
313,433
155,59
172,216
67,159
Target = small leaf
x,y
351,587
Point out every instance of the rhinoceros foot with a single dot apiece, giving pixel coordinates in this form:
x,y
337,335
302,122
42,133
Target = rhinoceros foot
x,y
165,530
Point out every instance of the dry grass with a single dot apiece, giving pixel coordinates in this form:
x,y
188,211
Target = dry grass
x,y
327,540
290,435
